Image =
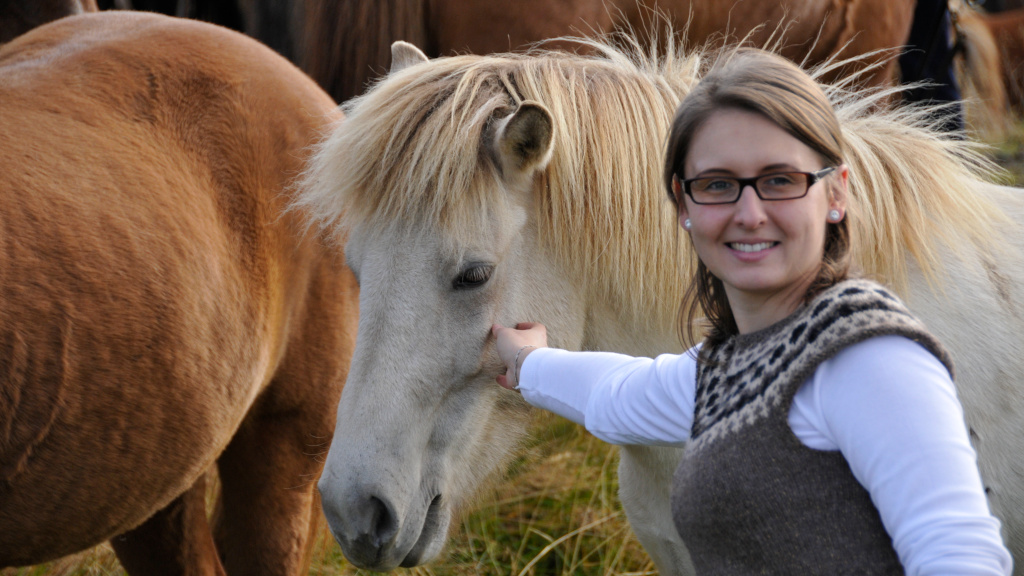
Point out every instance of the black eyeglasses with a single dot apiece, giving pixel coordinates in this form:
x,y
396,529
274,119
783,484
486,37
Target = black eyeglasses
x,y
770,187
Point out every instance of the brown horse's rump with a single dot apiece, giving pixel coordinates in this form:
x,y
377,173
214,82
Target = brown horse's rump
x,y
159,311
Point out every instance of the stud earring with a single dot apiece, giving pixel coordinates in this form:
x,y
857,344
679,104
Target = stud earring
x,y
834,216
687,224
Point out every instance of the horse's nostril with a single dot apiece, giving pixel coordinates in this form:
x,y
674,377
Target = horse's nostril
x,y
382,524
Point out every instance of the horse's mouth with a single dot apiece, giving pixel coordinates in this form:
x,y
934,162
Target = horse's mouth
x,y
432,535
382,550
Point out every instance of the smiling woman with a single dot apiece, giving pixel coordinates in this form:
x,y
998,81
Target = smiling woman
x,y
760,117
765,251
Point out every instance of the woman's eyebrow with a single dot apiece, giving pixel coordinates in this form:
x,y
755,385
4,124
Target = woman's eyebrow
x,y
783,166
777,167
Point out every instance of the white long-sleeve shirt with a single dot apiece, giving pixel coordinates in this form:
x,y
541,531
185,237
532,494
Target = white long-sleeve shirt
x,y
886,403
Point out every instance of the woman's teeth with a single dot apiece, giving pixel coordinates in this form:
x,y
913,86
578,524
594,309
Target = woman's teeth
x,y
751,247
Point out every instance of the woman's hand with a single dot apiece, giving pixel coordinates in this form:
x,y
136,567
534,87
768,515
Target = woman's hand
x,y
519,341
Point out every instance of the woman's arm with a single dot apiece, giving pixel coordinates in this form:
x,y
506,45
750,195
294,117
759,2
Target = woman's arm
x,y
892,410
620,399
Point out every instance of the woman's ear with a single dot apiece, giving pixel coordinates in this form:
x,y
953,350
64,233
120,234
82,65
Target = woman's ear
x,y
840,189
681,212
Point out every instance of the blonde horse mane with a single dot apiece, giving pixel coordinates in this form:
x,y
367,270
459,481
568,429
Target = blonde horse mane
x,y
410,150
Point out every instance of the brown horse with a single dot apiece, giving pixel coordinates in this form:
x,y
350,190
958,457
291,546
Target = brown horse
x,y
345,45
1007,29
160,310
18,16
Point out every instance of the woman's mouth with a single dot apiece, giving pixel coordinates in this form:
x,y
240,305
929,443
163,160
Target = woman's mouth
x,y
743,247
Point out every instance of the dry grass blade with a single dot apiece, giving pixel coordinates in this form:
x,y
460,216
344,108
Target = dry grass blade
x,y
555,543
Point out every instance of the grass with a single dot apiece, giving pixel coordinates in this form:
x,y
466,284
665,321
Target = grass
x,y
99,561
1009,154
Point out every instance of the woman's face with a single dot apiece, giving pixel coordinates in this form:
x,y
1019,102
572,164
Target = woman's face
x,y
759,249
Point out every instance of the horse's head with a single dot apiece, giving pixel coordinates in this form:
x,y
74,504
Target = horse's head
x,y
476,190
444,244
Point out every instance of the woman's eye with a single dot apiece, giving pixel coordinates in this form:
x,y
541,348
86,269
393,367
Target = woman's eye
x,y
717,185
780,180
472,277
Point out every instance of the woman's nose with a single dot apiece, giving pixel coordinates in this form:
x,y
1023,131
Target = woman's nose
x,y
749,208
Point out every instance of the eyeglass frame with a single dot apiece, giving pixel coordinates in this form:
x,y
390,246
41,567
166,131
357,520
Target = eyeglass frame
x,y
812,179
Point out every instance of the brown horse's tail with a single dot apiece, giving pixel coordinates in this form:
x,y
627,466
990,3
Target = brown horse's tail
x,y
346,45
318,540
981,78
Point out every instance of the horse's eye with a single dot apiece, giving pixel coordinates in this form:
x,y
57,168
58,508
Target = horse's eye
x,y
474,276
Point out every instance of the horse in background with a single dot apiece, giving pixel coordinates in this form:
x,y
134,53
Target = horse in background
x,y
276,23
18,16
1007,29
347,45
990,68
328,39
160,310
979,68
473,190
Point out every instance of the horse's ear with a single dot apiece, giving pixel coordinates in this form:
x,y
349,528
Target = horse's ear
x,y
404,55
524,140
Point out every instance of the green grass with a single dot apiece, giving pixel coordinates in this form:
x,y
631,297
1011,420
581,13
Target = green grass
x,y
1009,154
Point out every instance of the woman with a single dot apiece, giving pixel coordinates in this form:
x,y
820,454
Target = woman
x,y
823,432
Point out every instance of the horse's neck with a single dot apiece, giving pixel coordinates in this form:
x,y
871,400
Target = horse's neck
x,y
608,331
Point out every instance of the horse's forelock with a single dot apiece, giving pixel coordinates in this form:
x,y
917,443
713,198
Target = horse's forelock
x,y
412,150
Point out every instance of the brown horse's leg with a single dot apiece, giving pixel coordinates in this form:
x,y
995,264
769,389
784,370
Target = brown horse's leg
x,y
268,473
176,541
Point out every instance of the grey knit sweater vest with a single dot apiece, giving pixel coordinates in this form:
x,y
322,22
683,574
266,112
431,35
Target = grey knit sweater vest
x,y
749,497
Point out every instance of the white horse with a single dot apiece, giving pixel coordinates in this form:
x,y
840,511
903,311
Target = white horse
x,y
473,190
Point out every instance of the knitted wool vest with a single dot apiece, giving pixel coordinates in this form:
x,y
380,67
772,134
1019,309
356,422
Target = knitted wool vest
x,y
749,497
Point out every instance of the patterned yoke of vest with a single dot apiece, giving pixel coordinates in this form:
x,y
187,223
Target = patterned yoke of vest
x,y
749,497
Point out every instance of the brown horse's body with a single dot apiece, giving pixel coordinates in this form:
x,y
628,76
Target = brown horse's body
x,y
159,311
347,44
